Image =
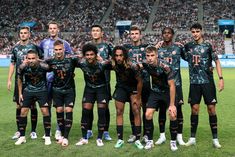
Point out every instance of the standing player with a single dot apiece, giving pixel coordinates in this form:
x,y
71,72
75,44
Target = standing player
x,y
162,93
200,55
48,48
128,88
63,89
104,53
33,73
136,53
95,90
19,53
171,53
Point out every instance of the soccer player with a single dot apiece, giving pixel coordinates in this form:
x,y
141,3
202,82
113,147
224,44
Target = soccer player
x,y
95,90
48,48
33,73
104,53
63,90
171,53
162,93
19,53
128,89
200,55
136,53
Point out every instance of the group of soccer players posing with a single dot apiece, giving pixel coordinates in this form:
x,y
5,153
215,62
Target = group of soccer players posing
x,y
147,77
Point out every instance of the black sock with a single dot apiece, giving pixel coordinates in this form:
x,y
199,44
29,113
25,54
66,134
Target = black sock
x,y
149,128
132,121
34,119
47,125
101,122
180,119
91,117
194,124
120,132
213,125
162,119
138,132
173,129
18,110
107,116
68,123
85,122
22,125
60,121
144,118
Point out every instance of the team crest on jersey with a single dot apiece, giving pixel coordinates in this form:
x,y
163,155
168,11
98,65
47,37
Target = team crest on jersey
x,y
202,50
173,52
141,49
130,50
161,53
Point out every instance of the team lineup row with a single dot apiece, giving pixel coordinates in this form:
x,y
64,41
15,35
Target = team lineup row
x,y
133,64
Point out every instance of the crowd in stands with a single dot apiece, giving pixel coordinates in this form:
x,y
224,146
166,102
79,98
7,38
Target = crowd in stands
x,y
81,15
215,10
178,14
137,11
216,39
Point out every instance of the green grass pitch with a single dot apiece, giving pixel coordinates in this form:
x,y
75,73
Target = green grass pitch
x,y
36,148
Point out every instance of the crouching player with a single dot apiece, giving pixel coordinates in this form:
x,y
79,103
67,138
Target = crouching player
x,y
63,89
128,88
33,72
162,93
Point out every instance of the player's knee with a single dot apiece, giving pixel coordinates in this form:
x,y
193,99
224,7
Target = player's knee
x,y
45,111
24,111
119,111
148,115
68,109
211,110
195,109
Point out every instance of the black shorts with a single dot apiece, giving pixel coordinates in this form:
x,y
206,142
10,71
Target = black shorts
x,y
145,92
99,94
179,95
16,93
207,90
31,97
158,100
63,98
123,94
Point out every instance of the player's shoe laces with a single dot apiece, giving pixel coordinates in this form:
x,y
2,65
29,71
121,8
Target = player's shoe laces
x,y
216,143
180,139
173,146
81,142
191,141
138,144
161,139
131,139
20,140
89,134
119,143
144,139
47,140
149,144
65,142
57,134
99,142
107,136
33,135
16,135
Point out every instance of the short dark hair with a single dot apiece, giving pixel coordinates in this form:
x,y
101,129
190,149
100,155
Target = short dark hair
x,y
54,22
124,51
134,28
31,51
169,28
196,26
97,25
58,42
89,47
151,48
25,27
